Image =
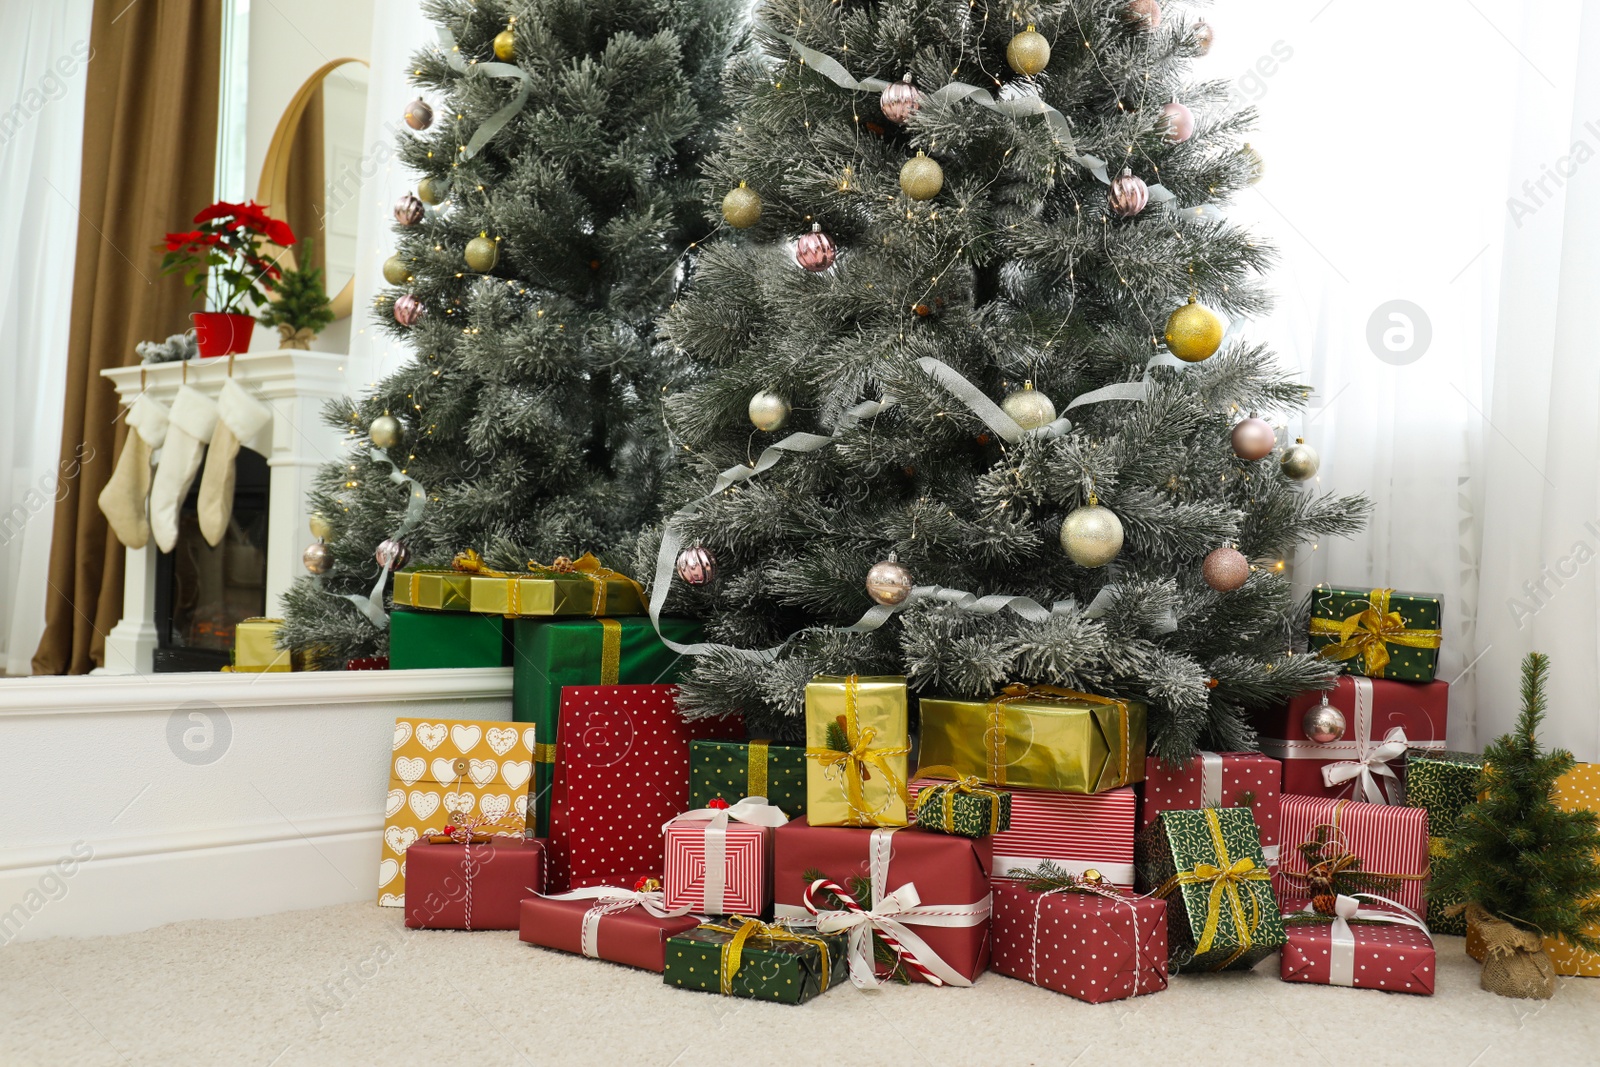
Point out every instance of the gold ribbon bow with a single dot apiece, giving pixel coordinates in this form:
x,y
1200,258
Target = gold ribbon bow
x,y
995,736
1369,633
762,935
861,754
1224,877
945,794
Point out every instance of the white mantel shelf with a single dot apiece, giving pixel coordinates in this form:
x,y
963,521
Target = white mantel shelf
x,y
295,385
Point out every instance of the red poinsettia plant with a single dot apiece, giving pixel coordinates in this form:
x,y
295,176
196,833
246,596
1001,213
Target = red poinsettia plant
x,y
227,245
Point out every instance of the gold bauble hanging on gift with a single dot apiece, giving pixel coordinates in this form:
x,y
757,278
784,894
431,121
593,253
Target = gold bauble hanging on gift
x,y
1028,53
395,271
1028,407
430,191
482,253
1194,332
921,178
742,207
505,45
1091,535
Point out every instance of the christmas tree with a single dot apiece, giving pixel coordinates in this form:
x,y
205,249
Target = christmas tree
x,y
1514,853
957,234
300,307
556,199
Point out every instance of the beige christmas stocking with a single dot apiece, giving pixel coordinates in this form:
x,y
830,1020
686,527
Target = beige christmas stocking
x,y
194,418
122,501
240,420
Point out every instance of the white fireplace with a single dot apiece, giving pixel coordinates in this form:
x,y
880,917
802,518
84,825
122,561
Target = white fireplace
x,y
295,385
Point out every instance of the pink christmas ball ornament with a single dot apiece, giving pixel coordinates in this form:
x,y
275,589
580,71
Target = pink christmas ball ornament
x,y
815,251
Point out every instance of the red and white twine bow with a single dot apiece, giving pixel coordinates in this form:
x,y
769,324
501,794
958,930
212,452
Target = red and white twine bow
x,y
860,924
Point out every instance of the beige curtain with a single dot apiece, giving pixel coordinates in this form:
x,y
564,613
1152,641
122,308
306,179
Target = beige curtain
x,y
149,140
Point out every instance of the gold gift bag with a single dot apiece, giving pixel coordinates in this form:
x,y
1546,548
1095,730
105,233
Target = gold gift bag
x,y
1038,736
856,750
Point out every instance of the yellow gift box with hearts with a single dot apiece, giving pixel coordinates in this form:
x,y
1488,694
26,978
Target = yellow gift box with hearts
x,y
447,769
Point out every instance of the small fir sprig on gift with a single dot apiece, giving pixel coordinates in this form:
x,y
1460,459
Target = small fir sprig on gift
x,y
1333,871
1051,877
838,739
886,958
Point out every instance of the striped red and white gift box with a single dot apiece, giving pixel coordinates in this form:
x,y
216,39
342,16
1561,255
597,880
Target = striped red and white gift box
x,y
1389,840
1072,830
747,870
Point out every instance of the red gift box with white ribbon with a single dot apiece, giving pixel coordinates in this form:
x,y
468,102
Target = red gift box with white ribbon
x,y
1382,948
1089,945
719,858
1382,718
1216,780
1389,841
624,926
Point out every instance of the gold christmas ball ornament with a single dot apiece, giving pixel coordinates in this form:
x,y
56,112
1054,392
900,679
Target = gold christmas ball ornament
x,y
768,410
1091,535
318,558
1253,439
395,271
1194,332
430,191
385,431
1028,53
321,528
1257,166
482,253
889,583
1323,723
1028,407
505,45
741,207
1225,569
1300,461
921,178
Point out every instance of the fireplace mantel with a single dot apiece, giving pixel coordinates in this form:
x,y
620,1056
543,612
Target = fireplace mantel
x,y
295,385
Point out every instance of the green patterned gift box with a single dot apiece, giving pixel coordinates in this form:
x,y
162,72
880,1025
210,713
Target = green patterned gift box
x,y
962,807
1378,633
750,958
1207,865
733,770
1443,784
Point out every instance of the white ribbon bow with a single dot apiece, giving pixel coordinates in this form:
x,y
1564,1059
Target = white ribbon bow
x,y
609,900
752,810
1372,760
1342,943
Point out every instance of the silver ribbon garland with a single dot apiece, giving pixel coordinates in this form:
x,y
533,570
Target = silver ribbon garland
x,y
371,605
496,122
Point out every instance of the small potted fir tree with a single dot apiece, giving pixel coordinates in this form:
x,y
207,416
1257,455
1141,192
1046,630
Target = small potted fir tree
x,y
228,254
299,307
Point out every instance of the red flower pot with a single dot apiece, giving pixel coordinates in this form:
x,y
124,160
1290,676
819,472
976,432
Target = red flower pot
x,y
221,333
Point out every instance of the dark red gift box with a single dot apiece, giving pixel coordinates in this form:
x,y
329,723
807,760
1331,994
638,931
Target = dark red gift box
x,y
1382,719
1387,956
630,936
622,770
947,870
1216,780
452,886
1088,946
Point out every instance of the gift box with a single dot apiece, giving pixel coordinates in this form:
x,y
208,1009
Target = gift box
x,y
1382,720
623,772
1378,633
423,639
443,771
367,663
604,923
719,859
471,885
728,770
750,958
856,749
1391,842
1207,865
1076,831
946,930
255,647
1371,949
1216,780
548,656
433,590
1442,784
1577,790
1091,946
962,807
576,587
1039,737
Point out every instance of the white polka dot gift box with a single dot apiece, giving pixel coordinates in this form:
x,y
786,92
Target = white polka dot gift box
x,y
1364,945
622,771
1216,780
1094,946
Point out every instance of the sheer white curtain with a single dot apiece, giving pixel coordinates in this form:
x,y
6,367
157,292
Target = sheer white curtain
x,y
44,52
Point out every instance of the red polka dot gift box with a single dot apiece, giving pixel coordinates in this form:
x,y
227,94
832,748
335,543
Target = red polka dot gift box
x,y
1365,947
1216,780
1089,945
622,771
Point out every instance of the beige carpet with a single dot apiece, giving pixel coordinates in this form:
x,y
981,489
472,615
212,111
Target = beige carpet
x,y
350,985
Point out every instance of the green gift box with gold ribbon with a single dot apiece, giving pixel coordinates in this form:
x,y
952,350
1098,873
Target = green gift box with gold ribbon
x,y
550,654
857,745
1443,783
1379,633
1038,737
1207,865
961,806
733,770
424,639
750,958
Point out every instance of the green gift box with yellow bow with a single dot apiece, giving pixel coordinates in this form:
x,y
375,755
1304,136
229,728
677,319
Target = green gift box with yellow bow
x,y
1443,783
960,805
762,961
1379,633
1207,865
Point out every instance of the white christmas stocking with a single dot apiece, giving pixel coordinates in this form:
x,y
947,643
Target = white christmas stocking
x,y
240,419
122,501
194,417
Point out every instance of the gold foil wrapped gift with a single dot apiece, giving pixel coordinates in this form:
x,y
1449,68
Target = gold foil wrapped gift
x,y
566,587
434,590
856,750
255,648
1039,737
